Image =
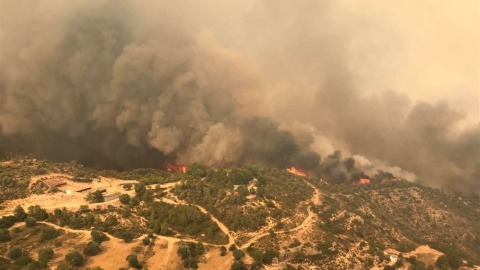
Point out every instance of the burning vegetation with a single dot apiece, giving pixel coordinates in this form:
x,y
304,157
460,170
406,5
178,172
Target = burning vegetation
x,y
175,167
296,171
363,181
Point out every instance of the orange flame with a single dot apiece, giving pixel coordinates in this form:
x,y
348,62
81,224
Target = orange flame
x,y
175,167
296,171
364,181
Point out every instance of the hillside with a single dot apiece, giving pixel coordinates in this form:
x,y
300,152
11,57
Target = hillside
x,y
238,218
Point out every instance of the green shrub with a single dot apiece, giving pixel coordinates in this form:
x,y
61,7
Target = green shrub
x,y
75,258
30,222
99,237
133,261
48,233
15,252
5,235
92,248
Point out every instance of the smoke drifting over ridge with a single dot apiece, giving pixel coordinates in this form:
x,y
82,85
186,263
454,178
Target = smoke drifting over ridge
x,y
134,83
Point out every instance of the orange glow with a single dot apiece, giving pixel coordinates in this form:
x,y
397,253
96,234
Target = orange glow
x,y
175,167
364,181
296,171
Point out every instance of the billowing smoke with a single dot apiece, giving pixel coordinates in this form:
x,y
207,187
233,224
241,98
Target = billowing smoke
x,y
136,83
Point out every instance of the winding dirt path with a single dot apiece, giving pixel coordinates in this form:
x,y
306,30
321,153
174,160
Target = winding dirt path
x,y
315,199
171,241
177,201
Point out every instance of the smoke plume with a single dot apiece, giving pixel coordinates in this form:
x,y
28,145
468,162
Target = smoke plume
x,y
125,84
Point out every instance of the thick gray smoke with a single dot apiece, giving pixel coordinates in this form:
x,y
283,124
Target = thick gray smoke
x,y
127,84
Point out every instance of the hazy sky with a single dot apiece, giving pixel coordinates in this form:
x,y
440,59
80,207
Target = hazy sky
x,y
439,53
131,83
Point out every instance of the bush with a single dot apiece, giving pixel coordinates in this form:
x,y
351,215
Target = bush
x,y
449,261
127,236
63,266
240,176
48,233
197,171
92,248
298,256
7,221
19,213
223,251
124,198
133,261
23,260
95,197
5,235
45,255
99,237
238,265
15,252
238,254
30,222
37,212
75,258
146,241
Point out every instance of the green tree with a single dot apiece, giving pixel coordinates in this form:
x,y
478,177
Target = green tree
x,y
199,249
140,189
62,265
84,208
238,254
253,169
48,233
298,256
133,261
127,186
164,230
92,248
111,220
37,212
96,197
197,171
45,255
146,241
232,247
75,258
268,256
127,236
99,237
19,213
30,222
184,250
240,176
238,265
5,235
25,260
124,198
223,251
15,252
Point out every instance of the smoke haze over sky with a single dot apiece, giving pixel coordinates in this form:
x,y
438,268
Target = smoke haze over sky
x,y
392,84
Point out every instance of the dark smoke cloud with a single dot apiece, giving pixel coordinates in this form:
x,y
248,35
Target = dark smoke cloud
x,y
137,83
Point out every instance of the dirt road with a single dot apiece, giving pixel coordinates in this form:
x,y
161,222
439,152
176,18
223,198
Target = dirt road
x,y
315,199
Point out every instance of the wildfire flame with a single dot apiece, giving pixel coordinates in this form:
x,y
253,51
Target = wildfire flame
x,y
296,171
364,181
175,167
